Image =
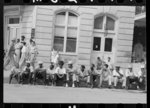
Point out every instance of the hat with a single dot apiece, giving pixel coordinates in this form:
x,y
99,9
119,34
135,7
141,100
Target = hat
x,y
129,66
142,66
117,66
40,62
28,62
70,62
13,39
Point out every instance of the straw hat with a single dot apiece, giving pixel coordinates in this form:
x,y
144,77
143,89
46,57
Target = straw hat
x,y
40,62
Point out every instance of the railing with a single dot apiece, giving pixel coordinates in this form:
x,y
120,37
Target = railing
x,y
140,9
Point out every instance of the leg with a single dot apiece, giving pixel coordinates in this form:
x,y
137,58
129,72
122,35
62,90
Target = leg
x,y
100,81
115,81
10,78
124,82
109,81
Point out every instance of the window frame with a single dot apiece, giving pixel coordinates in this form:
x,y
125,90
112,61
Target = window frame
x,y
104,23
102,31
66,26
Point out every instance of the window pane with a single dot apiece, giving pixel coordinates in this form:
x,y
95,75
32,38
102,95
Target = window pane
x,y
71,44
72,32
59,31
98,23
58,43
72,20
108,44
97,44
60,18
14,21
110,24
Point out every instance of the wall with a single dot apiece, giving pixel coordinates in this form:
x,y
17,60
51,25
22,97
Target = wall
x,y
44,31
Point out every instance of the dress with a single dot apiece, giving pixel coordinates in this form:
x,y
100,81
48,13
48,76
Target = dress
x,y
17,52
33,54
23,57
9,60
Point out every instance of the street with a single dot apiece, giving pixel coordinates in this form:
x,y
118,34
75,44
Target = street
x,y
14,93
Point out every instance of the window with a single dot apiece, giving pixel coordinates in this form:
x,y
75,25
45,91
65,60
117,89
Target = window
x,y
108,44
110,24
13,20
97,44
65,36
98,23
104,22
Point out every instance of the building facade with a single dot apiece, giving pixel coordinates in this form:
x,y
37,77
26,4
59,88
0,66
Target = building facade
x,y
79,33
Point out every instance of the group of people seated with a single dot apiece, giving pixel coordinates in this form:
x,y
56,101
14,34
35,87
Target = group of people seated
x,y
101,72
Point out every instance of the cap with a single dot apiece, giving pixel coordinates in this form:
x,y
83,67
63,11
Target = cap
x,y
40,62
70,62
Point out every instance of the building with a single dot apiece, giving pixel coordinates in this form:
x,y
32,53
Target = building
x,y
140,30
80,33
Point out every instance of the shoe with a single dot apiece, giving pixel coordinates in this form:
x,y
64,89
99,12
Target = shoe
x,y
73,85
66,85
109,87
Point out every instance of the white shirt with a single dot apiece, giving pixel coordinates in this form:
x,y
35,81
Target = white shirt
x,y
116,73
60,71
128,73
31,68
24,49
50,71
110,65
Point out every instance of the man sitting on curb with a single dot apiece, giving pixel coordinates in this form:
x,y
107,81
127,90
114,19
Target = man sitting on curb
x,y
93,75
25,74
60,73
51,74
40,73
82,75
105,76
14,73
71,74
118,76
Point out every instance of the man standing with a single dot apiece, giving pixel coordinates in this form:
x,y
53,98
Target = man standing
x,y
119,76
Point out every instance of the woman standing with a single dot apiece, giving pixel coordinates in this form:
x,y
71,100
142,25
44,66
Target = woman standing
x,y
18,51
23,56
9,58
33,53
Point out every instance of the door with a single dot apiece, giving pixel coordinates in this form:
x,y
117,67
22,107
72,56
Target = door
x,y
102,47
12,30
104,36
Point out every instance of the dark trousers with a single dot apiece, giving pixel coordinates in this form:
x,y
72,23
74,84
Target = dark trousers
x,y
40,74
92,79
130,81
60,80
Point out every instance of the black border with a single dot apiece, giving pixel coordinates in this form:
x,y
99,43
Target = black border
x,y
60,105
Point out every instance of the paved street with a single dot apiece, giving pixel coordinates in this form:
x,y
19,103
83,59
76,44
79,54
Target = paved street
x,y
42,94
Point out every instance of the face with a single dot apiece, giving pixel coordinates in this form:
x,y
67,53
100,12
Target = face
x,y
70,65
82,68
51,66
117,68
28,64
108,58
40,65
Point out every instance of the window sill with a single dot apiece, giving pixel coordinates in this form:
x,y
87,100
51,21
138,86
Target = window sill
x,y
71,54
102,31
